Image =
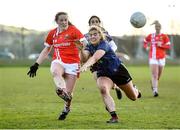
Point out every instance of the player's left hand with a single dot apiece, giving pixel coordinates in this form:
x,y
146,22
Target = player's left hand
x,y
33,69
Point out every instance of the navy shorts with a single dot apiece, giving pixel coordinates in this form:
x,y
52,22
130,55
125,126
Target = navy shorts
x,y
120,77
93,68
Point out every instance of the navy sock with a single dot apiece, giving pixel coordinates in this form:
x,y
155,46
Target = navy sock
x,y
113,114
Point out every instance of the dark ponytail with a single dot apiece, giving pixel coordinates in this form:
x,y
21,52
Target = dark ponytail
x,y
61,13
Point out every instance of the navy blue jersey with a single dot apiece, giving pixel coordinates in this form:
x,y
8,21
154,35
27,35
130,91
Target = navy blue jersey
x,y
109,63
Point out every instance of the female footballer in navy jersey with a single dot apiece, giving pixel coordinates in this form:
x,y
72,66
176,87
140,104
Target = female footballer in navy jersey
x,y
95,20
110,70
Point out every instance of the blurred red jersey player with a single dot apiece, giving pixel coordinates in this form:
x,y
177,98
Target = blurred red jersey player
x,y
158,43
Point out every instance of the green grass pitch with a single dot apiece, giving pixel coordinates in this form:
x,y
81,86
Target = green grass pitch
x,y
32,103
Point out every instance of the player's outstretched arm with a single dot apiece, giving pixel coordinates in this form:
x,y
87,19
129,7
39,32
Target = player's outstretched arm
x,y
44,53
92,60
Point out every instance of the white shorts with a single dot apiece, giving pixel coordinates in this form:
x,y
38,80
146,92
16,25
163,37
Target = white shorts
x,y
69,68
160,62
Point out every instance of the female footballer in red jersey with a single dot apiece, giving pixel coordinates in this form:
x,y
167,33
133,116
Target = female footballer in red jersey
x,y
66,60
159,43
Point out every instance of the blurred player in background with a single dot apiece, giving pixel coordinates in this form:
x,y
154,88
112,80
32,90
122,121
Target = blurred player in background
x,y
66,61
109,69
158,43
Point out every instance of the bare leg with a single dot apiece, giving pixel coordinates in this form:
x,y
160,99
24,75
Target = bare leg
x,y
154,77
105,84
118,91
70,85
57,72
130,91
161,68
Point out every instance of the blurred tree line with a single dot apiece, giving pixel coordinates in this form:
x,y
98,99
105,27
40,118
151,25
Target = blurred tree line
x,y
22,42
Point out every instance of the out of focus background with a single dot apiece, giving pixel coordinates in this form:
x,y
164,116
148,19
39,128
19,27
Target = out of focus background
x,y
25,24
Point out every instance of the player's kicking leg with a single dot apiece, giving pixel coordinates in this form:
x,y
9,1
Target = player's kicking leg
x,y
65,112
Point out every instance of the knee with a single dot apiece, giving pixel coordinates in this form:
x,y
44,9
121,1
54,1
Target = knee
x,y
103,90
133,98
54,72
155,76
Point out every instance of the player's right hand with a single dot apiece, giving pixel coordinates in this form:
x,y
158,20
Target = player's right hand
x,y
78,44
33,69
83,68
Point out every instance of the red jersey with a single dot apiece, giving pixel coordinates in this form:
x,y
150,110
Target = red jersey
x,y
63,43
157,52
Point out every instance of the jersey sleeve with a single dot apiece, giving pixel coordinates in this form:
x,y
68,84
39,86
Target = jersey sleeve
x,y
79,36
146,41
76,33
49,39
110,41
87,48
113,45
166,44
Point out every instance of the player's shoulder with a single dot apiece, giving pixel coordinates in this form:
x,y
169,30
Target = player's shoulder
x,y
52,31
104,43
149,36
163,34
72,27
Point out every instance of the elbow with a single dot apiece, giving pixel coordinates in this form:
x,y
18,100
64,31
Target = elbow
x,y
83,61
46,50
